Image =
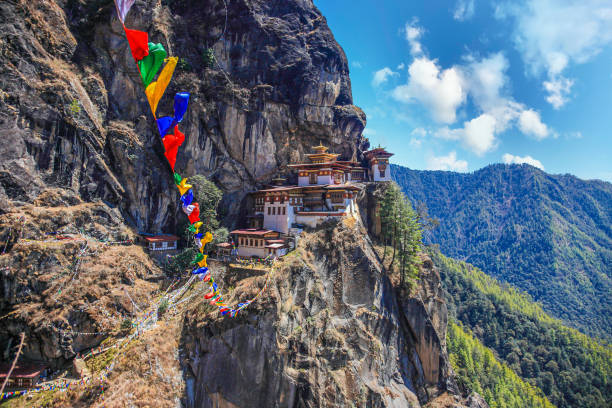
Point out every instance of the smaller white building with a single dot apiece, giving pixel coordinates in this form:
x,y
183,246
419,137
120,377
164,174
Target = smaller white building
x,y
259,243
379,164
161,242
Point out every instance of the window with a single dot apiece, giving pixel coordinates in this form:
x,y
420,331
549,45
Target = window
x,y
382,167
269,210
313,178
283,210
337,198
273,210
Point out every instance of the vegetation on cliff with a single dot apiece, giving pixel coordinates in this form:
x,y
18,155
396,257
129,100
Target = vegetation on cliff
x,y
572,369
478,370
402,231
549,235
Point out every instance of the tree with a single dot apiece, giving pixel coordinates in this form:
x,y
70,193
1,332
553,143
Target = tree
x,y
402,229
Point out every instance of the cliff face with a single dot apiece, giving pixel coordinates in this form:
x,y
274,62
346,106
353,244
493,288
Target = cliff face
x,y
73,112
331,330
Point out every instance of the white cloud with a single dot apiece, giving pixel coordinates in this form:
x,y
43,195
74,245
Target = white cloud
x,y
448,162
558,91
510,159
484,80
441,91
401,66
382,75
417,137
530,124
464,10
552,34
413,33
356,64
478,134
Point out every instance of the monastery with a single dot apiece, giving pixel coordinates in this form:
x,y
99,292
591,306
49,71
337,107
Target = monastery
x,y
326,189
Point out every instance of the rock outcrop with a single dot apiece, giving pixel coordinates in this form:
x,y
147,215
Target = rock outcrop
x,y
331,330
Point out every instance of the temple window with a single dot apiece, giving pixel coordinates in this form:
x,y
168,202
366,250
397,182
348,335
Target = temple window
x,y
337,198
283,210
313,178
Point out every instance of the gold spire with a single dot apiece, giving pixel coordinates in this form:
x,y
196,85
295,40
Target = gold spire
x,y
320,148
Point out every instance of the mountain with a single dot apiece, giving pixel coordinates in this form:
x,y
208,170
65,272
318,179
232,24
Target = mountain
x,y
479,370
571,369
549,235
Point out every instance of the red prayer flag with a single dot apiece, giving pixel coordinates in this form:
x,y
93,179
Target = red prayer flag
x,y
195,214
139,43
209,295
171,144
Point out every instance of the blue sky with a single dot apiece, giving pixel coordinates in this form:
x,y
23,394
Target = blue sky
x,y
457,85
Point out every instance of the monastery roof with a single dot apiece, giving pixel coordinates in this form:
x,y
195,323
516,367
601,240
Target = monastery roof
x,y
253,231
325,164
278,189
342,187
379,151
275,246
224,245
281,189
276,241
21,371
162,238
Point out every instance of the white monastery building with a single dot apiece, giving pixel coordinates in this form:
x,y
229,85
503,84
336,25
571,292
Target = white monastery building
x,y
326,189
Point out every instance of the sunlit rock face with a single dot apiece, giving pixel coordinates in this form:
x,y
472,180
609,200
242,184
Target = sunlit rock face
x,y
74,113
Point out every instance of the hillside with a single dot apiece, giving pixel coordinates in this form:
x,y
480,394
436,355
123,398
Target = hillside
x,y
572,369
549,235
479,371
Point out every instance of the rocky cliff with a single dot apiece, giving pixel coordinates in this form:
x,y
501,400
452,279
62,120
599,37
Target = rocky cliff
x,y
74,115
332,330
79,156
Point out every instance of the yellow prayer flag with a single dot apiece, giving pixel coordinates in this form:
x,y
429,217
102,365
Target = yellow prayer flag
x,y
156,89
202,263
207,238
183,186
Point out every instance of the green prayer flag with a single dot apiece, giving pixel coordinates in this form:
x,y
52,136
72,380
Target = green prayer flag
x,y
150,64
198,258
177,179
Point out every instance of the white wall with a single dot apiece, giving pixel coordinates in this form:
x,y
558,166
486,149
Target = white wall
x,y
324,180
302,181
278,222
251,251
321,180
376,173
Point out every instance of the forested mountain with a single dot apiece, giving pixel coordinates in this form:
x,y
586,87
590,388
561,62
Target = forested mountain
x,y
478,370
572,369
549,235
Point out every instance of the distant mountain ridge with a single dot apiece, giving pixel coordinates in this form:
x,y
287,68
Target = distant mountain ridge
x,y
549,235
572,370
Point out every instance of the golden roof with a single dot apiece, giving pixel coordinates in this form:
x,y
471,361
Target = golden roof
x,y
320,148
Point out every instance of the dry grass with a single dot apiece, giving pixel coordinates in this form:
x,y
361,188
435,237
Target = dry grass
x,y
147,374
